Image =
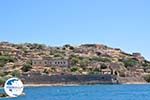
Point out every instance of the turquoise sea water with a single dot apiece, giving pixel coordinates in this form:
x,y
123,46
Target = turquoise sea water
x,y
93,92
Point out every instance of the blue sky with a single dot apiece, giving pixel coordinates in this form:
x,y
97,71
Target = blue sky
x,y
122,24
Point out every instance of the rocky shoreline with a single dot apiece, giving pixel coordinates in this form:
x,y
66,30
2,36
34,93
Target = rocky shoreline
x,y
45,85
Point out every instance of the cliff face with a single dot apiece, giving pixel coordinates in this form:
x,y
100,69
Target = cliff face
x,y
86,59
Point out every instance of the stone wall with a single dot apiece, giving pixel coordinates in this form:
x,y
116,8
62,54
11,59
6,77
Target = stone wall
x,y
68,79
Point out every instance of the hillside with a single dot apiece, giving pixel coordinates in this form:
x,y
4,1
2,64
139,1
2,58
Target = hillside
x,y
86,59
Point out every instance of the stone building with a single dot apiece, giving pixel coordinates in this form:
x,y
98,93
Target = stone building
x,y
50,62
138,56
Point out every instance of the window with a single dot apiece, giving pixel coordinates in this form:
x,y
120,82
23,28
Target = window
x,y
34,63
45,62
55,62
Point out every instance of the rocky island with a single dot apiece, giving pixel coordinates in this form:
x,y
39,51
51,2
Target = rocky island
x,y
37,64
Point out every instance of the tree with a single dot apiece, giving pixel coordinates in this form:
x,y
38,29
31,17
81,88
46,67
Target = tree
x,y
26,67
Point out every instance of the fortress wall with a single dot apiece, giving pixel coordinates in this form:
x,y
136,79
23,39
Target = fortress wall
x,y
69,79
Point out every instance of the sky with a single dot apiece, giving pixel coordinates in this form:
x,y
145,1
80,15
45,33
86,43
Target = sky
x,y
121,24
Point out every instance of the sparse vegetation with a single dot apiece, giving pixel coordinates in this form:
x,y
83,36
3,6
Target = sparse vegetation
x,y
74,69
103,66
68,46
86,59
147,77
58,55
2,74
84,62
46,71
26,67
5,59
102,59
130,62
2,80
16,73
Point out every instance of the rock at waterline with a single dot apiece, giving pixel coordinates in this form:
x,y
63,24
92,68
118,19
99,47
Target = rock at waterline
x,y
4,95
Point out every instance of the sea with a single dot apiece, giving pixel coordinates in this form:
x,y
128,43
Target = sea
x,y
86,92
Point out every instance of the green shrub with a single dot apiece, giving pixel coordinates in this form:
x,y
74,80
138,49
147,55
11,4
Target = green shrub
x,y
84,62
94,73
68,46
26,67
2,74
2,64
102,59
16,73
58,55
97,70
2,80
147,77
5,59
146,64
74,69
29,62
130,62
74,60
38,46
7,77
103,66
71,48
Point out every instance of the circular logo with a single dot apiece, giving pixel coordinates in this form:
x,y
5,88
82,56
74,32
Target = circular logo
x,y
13,87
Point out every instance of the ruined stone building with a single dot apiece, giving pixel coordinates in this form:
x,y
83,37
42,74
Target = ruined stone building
x,y
50,62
